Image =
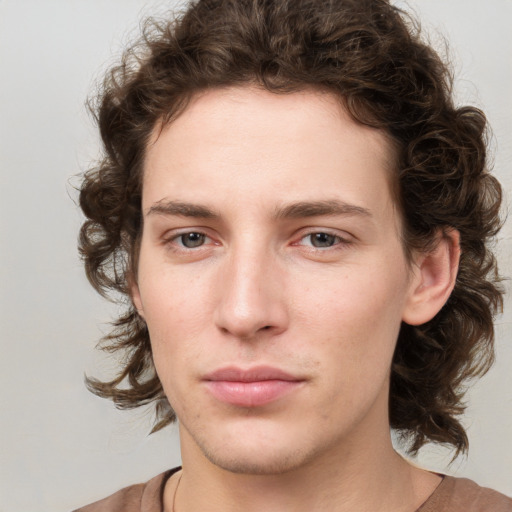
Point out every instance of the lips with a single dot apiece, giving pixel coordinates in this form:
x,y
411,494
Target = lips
x,y
254,387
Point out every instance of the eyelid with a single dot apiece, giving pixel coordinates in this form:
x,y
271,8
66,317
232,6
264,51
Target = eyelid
x,y
169,238
343,236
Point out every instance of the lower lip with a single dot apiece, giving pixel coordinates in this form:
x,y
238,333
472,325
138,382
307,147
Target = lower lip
x,y
251,394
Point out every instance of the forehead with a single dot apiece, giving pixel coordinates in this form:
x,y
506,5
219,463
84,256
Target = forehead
x,y
287,146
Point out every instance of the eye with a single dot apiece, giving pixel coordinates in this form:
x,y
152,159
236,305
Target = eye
x,y
191,240
321,240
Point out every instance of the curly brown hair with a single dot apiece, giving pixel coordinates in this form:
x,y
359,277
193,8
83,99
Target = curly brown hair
x,y
370,55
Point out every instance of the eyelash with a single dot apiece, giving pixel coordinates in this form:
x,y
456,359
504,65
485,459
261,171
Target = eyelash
x,y
337,241
175,242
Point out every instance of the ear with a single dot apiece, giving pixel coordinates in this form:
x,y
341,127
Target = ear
x,y
433,279
135,295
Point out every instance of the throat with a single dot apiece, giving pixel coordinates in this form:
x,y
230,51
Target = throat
x,y
405,490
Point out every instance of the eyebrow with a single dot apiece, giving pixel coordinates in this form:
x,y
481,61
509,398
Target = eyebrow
x,y
317,208
301,209
165,207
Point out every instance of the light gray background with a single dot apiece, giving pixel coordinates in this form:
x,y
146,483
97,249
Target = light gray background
x,y
61,447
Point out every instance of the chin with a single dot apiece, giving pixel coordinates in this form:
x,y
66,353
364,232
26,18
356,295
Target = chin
x,y
263,464
264,452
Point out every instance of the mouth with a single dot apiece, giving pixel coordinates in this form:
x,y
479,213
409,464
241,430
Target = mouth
x,y
253,387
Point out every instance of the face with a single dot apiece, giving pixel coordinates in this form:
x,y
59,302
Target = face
x,y
271,277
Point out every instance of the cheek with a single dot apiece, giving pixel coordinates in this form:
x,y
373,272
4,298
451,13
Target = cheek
x,y
354,320
362,299
175,309
171,297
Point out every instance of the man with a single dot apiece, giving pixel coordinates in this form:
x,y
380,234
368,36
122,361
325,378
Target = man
x,y
300,218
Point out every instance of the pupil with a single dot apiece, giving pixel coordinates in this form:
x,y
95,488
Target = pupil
x,y
322,240
191,240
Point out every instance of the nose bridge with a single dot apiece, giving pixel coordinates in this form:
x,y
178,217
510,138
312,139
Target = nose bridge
x,y
250,297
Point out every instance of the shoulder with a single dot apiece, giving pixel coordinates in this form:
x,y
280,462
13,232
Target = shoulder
x,y
127,499
146,497
463,495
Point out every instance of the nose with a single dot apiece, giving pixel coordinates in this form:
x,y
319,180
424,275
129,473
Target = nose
x,y
251,295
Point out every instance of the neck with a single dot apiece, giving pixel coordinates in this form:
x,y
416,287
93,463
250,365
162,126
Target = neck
x,y
373,477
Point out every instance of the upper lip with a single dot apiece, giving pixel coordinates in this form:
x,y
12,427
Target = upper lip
x,y
255,374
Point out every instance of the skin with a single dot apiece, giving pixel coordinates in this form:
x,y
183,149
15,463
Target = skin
x,y
234,270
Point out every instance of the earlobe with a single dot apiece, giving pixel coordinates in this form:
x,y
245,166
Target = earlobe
x,y
435,272
135,296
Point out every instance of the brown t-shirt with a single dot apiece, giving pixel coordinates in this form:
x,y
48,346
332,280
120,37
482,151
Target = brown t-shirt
x,y
452,495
